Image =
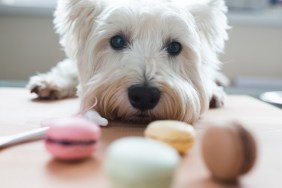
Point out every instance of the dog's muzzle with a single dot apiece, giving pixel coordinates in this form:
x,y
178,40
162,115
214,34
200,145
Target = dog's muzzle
x,y
143,97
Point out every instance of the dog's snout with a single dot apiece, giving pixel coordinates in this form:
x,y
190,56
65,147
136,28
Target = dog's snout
x,y
143,97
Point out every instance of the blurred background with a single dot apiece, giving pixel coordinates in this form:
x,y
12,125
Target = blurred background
x,y
252,60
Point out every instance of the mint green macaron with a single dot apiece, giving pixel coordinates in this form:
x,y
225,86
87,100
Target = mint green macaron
x,y
136,162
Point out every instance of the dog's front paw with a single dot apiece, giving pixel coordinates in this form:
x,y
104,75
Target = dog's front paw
x,y
218,98
45,88
96,117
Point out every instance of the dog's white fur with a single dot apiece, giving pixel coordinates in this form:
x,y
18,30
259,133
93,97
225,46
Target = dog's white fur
x,y
187,81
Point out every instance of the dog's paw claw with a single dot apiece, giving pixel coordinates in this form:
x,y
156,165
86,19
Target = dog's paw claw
x,y
34,90
218,98
216,102
44,89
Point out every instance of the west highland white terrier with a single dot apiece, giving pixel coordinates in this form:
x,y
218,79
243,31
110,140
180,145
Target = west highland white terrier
x,y
142,60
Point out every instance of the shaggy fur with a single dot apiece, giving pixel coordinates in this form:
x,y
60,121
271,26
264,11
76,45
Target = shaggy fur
x,y
187,82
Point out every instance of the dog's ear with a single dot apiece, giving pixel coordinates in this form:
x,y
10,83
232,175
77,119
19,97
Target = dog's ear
x,y
211,20
74,20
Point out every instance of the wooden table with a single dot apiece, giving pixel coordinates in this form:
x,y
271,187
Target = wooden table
x,y
29,165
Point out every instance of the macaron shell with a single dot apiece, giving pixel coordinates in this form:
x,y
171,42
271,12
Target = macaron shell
x,y
248,146
180,145
74,128
174,130
136,162
70,152
179,135
222,152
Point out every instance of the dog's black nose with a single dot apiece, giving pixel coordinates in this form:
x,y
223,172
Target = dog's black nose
x,y
143,97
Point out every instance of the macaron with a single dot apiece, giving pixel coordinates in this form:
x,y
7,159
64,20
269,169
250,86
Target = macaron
x,y
137,162
179,135
72,138
229,151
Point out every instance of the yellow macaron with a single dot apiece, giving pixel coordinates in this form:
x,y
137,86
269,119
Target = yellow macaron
x,y
179,135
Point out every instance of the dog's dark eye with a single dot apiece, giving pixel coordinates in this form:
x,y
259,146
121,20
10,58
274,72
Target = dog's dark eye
x,y
118,42
174,48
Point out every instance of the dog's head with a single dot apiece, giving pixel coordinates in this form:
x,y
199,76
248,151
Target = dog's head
x,y
144,59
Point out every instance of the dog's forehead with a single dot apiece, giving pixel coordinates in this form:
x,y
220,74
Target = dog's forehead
x,y
141,9
147,16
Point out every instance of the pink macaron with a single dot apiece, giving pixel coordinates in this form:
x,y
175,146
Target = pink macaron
x,y
72,138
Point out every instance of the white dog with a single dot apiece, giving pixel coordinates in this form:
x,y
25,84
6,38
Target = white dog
x,y
141,59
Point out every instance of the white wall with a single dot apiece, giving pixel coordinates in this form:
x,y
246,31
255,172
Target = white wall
x,y
29,45
254,51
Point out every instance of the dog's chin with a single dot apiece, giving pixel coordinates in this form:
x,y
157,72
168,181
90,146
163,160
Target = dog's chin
x,y
142,118
139,118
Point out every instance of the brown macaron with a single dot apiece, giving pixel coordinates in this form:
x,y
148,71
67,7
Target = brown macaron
x,y
228,150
